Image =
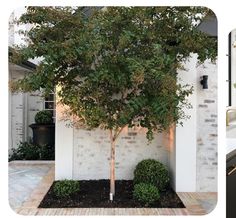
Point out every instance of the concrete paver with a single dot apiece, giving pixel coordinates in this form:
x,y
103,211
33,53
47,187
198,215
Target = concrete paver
x,y
24,177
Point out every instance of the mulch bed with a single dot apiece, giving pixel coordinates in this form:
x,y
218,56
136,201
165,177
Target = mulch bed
x,y
95,193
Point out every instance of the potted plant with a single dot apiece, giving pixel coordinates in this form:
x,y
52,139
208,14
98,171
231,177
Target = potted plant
x,y
43,129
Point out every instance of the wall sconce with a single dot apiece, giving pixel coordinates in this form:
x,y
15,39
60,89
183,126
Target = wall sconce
x,y
234,44
204,82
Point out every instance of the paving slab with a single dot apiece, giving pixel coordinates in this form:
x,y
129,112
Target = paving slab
x,y
24,177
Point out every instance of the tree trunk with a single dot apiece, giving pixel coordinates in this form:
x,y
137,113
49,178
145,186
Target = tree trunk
x,y
112,161
112,169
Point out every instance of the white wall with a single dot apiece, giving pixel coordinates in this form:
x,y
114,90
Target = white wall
x,y
207,129
183,157
22,109
193,160
16,110
91,151
64,147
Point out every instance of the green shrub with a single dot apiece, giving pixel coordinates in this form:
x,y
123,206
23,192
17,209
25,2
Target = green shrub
x,y
25,151
65,188
28,151
43,117
152,172
146,193
47,152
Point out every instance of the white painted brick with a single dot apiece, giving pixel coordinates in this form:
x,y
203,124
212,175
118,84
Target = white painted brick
x,y
207,130
92,152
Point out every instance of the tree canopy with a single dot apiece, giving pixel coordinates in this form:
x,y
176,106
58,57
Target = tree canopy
x,y
117,66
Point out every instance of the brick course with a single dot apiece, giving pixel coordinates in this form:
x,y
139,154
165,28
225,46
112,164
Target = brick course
x,y
92,152
207,130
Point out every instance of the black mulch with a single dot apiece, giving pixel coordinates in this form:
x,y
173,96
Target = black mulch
x,y
95,193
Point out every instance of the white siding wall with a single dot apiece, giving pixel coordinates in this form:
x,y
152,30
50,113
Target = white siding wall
x,y
16,110
17,133
22,109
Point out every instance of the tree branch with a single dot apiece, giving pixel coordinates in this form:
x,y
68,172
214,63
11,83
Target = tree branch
x,y
111,135
117,132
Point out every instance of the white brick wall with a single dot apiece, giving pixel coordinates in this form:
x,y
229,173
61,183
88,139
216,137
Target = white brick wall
x,y
92,153
207,129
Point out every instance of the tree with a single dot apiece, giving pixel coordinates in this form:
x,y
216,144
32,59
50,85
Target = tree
x,y
116,67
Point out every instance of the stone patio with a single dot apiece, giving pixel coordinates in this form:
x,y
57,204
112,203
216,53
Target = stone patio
x,y
29,181
24,177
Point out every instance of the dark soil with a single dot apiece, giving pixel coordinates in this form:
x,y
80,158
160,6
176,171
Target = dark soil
x,y
95,193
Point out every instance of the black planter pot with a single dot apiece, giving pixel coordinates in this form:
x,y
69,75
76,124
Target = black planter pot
x,y
43,134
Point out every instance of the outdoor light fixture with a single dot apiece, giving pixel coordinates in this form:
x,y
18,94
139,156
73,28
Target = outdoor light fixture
x,y
204,82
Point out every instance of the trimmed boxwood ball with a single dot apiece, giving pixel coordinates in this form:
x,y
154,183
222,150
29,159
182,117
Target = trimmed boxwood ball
x,y
146,193
153,172
43,117
65,188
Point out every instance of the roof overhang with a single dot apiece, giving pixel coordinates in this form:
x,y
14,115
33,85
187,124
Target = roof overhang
x,y
209,26
24,64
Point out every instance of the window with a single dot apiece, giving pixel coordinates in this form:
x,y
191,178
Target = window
x,y
49,104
